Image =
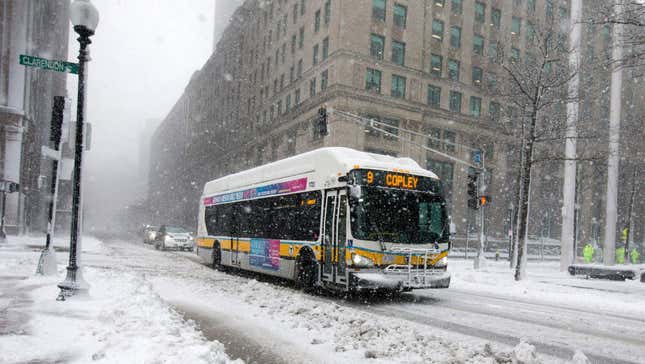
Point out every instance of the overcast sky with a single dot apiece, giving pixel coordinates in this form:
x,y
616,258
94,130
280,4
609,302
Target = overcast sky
x,y
143,55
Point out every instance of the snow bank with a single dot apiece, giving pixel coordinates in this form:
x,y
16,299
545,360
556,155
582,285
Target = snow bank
x,y
545,283
122,320
328,331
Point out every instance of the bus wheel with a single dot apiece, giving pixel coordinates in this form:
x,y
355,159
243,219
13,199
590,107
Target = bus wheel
x,y
306,271
217,257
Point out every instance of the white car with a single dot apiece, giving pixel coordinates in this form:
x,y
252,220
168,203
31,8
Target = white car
x,y
174,238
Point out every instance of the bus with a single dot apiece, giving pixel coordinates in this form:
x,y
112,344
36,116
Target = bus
x,y
332,218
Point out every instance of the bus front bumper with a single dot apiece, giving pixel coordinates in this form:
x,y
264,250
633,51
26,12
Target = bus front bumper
x,y
401,280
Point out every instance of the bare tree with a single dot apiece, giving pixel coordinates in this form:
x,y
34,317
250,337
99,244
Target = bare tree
x,y
536,84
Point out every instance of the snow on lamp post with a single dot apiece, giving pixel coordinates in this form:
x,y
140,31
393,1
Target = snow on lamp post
x,y
85,18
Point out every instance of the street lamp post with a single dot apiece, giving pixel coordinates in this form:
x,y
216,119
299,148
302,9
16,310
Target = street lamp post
x,y
85,18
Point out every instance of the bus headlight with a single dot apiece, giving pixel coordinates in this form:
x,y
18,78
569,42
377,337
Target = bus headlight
x,y
360,261
442,262
168,239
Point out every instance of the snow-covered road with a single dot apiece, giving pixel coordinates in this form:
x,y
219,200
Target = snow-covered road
x,y
485,317
555,313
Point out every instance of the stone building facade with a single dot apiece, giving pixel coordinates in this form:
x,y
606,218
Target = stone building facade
x,y
38,28
426,66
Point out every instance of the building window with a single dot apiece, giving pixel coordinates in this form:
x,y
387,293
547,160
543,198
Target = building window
x,y
455,37
293,44
478,44
492,52
400,15
398,53
475,106
327,12
436,65
295,13
378,10
377,45
373,80
434,96
301,40
317,21
297,97
549,9
292,73
453,69
398,86
434,138
443,170
492,81
325,48
494,111
480,12
515,54
302,7
279,108
283,53
277,55
456,6
315,55
455,101
300,69
516,24
530,32
324,78
312,87
496,18
449,138
530,4
478,74
437,29
281,82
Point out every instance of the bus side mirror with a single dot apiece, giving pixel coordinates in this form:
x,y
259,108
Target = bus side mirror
x,y
453,228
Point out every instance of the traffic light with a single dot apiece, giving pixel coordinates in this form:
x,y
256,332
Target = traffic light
x,y
13,187
471,187
322,121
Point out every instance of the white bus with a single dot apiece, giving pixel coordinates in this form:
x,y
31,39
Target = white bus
x,y
335,218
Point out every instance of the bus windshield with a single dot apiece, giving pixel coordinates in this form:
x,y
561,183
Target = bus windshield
x,y
397,216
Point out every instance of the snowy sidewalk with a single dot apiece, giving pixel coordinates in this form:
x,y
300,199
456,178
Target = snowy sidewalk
x,y
122,320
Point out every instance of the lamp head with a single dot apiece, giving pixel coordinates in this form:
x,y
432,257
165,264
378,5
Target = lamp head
x,y
84,16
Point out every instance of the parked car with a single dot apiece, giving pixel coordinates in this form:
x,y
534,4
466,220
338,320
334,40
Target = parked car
x,y
172,237
150,234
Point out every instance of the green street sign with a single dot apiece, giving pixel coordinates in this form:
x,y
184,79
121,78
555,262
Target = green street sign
x,y
48,64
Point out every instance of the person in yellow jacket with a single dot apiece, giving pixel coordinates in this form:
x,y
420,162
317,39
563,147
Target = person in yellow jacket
x,y
620,255
635,255
587,253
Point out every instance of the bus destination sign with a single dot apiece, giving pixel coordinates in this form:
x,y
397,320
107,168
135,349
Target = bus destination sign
x,y
376,178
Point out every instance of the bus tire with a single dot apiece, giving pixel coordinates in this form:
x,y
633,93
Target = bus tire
x,y
306,271
217,256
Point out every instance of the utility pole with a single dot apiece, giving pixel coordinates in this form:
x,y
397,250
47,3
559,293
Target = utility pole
x,y
614,139
567,243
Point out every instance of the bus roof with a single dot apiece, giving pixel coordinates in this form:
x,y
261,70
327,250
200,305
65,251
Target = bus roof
x,y
322,167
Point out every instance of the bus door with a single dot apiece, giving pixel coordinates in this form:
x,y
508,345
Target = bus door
x,y
341,238
235,240
334,237
328,234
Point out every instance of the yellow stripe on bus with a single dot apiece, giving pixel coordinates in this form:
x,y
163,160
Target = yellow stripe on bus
x,y
292,250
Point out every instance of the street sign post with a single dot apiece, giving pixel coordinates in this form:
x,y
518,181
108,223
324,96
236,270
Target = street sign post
x,y
48,64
